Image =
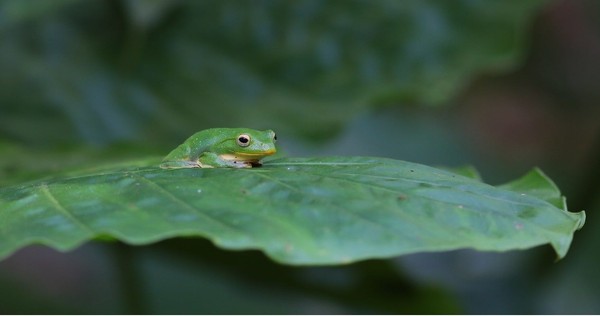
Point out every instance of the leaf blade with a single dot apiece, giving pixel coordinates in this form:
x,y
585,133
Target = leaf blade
x,y
329,210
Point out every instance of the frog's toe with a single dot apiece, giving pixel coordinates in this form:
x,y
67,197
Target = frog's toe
x,y
179,164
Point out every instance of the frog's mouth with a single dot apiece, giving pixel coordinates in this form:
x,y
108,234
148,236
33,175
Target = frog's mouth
x,y
247,157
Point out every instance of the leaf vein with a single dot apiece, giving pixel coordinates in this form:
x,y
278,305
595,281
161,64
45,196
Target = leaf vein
x,y
187,206
62,210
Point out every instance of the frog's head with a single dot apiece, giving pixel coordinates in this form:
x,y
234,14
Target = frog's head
x,y
249,145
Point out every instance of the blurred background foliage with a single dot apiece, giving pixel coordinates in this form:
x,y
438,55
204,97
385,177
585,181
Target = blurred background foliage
x,y
502,85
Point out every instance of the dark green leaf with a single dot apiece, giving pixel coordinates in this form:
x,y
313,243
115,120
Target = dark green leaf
x,y
113,70
297,210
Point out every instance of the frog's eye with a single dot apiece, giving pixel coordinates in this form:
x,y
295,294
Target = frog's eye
x,y
243,140
274,137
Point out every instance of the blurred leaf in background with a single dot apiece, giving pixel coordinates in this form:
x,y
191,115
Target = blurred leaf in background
x,y
100,71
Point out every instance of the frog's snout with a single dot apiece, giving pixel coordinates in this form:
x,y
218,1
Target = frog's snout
x,y
269,151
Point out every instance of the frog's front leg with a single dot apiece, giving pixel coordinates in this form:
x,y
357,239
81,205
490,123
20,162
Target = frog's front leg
x,y
213,160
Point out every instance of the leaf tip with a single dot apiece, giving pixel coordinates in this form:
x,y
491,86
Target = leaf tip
x,y
580,220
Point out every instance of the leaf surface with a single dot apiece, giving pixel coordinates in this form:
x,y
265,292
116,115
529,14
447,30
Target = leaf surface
x,y
328,210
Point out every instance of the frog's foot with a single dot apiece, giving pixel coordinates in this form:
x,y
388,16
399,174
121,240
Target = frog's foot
x,y
241,164
182,164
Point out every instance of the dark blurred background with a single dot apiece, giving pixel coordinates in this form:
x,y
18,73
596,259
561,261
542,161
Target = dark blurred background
x,y
501,85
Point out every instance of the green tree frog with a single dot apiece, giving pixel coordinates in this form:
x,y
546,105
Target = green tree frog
x,y
222,148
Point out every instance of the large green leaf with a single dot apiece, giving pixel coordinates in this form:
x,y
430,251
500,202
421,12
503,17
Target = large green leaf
x,y
298,211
